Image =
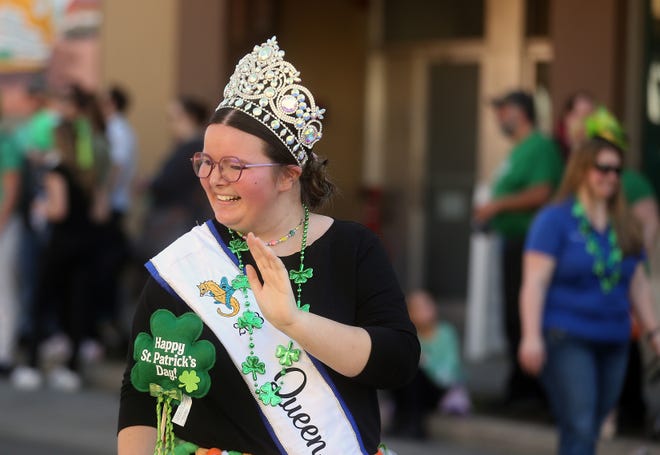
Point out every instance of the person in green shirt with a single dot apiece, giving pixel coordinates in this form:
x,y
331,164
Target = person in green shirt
x,y
524,182
34,138
10,164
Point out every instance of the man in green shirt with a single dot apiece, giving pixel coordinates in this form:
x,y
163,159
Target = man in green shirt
x,y
523,183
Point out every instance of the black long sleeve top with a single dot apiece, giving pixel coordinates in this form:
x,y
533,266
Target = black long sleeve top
x,y
354,284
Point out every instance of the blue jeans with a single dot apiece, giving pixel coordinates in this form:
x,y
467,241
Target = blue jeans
x,y
583,380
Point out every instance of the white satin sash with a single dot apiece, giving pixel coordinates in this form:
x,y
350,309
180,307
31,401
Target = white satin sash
x,y
312,417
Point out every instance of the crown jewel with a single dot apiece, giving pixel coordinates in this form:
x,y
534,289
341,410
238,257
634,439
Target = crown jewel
x,y
266,87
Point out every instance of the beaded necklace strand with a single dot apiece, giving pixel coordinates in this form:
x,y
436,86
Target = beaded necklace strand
x,y
601,265
250,320
282,239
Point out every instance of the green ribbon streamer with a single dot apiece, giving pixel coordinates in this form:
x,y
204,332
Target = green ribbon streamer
x,y
165,444
156,390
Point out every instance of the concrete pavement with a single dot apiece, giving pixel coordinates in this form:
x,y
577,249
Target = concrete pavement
x,y
61,423
516,437
84,423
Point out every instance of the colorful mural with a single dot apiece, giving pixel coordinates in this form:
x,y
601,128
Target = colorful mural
x,y
54,41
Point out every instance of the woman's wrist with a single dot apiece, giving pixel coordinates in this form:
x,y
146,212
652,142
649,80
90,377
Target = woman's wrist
x,y
533,333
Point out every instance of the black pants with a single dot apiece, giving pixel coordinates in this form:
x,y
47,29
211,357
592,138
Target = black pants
x,y
413,403
112,253
63,283
632,407
520,386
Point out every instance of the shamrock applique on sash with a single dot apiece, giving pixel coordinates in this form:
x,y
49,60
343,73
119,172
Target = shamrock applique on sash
x,y
170,361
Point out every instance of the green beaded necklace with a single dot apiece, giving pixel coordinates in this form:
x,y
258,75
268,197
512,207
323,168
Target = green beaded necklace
x,y
601,265
250,320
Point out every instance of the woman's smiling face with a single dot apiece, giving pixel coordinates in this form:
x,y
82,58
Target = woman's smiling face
x,y
239,205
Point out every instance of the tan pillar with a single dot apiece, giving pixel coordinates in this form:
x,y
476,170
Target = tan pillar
x,y
140,51
501,72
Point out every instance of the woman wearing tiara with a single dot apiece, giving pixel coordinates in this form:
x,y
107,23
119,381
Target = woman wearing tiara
x,y
269,328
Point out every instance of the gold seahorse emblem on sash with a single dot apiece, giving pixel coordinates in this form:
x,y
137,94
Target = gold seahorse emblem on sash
x,y
222,295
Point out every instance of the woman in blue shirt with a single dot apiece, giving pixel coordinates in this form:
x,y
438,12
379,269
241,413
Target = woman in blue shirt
x,y
583,270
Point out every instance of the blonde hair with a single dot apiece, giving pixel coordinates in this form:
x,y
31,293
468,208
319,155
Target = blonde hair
x,y
580,162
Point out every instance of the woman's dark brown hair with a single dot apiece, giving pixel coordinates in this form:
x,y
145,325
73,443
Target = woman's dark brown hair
x,y
316,187
194,109
65,140
580,162
88,105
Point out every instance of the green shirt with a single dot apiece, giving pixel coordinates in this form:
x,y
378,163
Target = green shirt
x,y
532,162
635,187
10,156
441,356
36,134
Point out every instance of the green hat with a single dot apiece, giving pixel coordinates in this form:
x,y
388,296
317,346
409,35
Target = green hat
x,y
604,125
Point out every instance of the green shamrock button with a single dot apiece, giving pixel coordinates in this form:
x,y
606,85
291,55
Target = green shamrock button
x,y
171,360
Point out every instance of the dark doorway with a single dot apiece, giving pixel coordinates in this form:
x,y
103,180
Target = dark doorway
x,y
450,176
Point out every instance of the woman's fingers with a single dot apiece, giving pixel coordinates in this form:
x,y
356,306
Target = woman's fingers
x,y
274,295
267,262
253,278
273,272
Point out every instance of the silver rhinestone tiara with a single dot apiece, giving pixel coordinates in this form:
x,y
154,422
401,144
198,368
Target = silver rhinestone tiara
x,y
265,87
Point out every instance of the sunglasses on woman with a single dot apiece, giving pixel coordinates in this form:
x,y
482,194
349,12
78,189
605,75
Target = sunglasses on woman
x,y
606,169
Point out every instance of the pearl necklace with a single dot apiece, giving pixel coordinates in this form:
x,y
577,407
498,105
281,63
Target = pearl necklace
x,y
251,321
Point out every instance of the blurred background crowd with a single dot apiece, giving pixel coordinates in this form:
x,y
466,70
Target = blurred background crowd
x,y
70,184
103,103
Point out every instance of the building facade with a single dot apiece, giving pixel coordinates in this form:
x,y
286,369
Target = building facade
x,y
409,132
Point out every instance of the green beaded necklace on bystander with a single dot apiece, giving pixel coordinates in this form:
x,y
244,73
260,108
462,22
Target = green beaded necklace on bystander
x,y
601,265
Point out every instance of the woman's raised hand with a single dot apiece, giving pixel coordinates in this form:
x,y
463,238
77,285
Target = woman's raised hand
x,y
274,295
